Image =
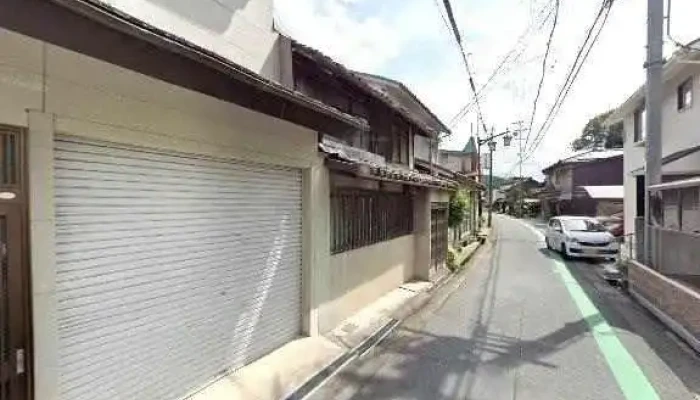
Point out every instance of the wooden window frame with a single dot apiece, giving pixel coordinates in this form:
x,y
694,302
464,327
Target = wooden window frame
x,y
362,218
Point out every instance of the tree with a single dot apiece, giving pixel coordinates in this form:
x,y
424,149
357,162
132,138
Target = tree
x,y
596,134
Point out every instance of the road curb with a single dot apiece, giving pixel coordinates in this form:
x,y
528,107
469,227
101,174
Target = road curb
x,y
411,307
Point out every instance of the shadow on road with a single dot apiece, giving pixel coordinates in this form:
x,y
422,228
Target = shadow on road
x,y
628,317
421,365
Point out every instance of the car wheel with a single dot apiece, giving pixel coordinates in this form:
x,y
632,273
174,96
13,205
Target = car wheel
x,y
564,253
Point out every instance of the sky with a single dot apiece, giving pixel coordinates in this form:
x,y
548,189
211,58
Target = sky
x,y
408,40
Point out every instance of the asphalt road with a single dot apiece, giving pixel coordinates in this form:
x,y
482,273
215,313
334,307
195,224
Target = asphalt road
x,y
522,324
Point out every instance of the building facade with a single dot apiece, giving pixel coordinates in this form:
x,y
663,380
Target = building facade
x,y
680,140
154,203
668,281
177,201
387,219
588,183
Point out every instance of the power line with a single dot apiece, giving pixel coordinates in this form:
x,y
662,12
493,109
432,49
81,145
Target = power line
x,y
544,70
518,46
573,73
442,16
575,69
458,38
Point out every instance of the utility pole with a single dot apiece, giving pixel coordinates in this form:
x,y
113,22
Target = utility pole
x,y
654,93
492,147
481,178
520,139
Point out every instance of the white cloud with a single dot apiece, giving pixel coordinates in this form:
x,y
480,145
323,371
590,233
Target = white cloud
x,y
330,27
378,43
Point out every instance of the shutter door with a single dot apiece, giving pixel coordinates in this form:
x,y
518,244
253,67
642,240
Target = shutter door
x,y
171,269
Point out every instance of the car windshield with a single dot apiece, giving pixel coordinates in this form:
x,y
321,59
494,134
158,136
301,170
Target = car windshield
x,y
582,225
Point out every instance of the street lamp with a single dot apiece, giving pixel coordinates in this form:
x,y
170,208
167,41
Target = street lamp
x,y
507,139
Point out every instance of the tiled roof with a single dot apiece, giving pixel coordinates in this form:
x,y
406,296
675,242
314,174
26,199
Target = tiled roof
x,y
401,94
587,156
361,83
370,165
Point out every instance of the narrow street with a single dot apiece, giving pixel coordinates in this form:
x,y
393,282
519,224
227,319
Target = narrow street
x,y
525,325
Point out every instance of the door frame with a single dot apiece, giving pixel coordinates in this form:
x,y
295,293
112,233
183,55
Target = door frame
x,y
14,207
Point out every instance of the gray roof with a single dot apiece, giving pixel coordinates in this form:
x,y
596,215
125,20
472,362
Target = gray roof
x,y
358,80
587,156
404,96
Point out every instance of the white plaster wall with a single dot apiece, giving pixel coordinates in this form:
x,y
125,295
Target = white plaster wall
x,y
358,277
240,30
453,162
680,130
633,160
51,90
439,196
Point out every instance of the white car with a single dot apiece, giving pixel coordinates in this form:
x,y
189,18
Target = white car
x,y
580,237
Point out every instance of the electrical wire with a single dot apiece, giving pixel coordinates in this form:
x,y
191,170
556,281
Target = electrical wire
x,y
463,53
573,73
544,70
581,57
518,47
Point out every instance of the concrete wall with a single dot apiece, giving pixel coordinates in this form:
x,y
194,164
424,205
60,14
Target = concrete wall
x,y
358,277
240,30
51,90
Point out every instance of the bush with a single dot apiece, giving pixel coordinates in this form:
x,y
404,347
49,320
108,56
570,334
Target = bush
x,y
452,259
458,208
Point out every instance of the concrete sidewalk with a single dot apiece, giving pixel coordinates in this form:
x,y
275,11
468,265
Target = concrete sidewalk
x,y
295,369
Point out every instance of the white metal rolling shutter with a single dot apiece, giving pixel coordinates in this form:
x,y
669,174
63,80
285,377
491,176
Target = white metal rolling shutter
x,y
171,269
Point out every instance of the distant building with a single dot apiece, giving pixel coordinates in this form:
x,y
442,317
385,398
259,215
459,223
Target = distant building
x,y
588,183
465,161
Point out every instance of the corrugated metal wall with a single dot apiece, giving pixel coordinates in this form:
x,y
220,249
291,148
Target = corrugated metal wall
x,y
171,269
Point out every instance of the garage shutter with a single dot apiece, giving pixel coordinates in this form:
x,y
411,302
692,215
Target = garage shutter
x,y
171,269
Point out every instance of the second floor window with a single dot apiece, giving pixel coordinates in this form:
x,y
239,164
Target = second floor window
x,y
685,94
640,124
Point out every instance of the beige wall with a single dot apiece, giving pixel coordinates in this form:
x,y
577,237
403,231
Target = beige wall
x,y
51,90
358,277
439,196
240,30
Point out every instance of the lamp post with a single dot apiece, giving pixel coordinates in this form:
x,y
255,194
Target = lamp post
x,y
507,137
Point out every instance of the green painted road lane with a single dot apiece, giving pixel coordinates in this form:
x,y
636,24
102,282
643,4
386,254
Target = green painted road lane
x,y
630,377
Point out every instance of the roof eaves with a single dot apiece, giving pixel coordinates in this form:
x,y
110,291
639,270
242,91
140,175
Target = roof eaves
x,y
354,77
410,93
117,19
671,68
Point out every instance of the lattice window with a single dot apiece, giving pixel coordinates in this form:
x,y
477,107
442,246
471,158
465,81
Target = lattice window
x,y
360,218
